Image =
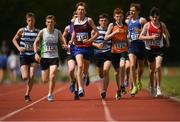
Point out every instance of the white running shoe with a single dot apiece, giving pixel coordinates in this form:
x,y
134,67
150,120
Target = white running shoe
x,y
158,92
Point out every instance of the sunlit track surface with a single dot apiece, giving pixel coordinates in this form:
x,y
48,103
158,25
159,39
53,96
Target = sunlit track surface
x,y
90,108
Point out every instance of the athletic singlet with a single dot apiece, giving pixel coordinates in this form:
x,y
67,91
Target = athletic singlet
x,y
27,41
100,39
158,43
134,29
49,48
119,40
82,31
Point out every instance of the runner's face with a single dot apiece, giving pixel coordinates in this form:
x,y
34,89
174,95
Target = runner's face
x,y
50,23
133,12
155,18
81,11
30,21
103,22
118,17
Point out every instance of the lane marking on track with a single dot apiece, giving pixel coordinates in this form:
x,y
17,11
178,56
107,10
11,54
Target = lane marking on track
x,y
106,109
25,107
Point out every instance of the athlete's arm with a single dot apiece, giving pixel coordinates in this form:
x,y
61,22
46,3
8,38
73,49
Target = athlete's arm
x,y
98,45
144,36
16,38
36,45
166,34
37,41
62,40
109,32
96,33
65,33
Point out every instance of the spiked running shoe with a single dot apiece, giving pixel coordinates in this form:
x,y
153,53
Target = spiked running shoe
x,y
50,98
134,91
123,89
103,95
86,80
81,93
76,95
72,86
27,98
118,95
158,92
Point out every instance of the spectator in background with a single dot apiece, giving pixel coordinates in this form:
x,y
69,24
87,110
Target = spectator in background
x,y
12,66
3,60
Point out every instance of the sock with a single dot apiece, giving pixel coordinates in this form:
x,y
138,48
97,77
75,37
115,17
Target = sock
x,y
80,88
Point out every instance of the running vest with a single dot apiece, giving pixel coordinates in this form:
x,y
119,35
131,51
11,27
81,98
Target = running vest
x,y
27,41
100,39
49,48
119,40
82,31
134,29
158,43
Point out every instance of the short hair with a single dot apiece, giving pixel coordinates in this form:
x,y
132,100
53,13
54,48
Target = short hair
x,y
103,15
118,11
51,17
30,14
81,4
136,5
154,11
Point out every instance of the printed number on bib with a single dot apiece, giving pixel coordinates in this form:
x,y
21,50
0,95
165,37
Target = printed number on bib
x,y
120,45
50,47
154,43
134,36
81,36
29,46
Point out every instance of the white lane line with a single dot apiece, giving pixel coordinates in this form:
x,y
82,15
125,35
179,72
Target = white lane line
x,y
107,112
25,107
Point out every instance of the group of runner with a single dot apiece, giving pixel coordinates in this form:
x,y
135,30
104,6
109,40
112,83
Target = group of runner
x,y
122,43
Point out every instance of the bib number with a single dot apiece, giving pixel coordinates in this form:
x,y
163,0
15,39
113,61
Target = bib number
x,y
81,36
120,45
28,46
134,36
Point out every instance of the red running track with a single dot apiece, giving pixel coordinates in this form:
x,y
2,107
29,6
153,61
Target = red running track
x,y
142,107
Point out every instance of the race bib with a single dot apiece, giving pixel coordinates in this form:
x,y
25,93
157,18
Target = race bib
x,y
50,47
134,36
81,36
28,46
120,45
154,42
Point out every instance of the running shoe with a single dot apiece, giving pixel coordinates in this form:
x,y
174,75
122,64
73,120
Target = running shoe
x,y
118,95
50,98
27,98
86,80
134,91
72,86
123,89
81,93
76,96
103,95
158,92
139,85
